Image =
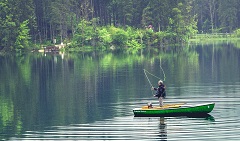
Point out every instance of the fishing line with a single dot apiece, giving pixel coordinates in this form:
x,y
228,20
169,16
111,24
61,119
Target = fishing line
x,y
147,77
163,73
164,76
150,74
144,70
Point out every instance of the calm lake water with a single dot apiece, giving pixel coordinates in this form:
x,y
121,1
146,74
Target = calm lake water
x,y
91,96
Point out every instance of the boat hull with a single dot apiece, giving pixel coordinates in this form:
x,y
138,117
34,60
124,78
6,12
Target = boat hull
x,y
175,110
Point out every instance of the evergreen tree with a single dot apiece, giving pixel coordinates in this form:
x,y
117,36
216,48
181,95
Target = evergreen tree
x,y
60,18
7,26
228,14
13,14
23,37
183,24
147,16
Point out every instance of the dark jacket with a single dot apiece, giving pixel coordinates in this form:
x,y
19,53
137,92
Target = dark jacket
x,y
160,91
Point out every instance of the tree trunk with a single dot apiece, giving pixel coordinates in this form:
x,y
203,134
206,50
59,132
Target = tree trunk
x,y
212,8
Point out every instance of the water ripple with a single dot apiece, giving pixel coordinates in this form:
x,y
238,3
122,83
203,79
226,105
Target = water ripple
x,y
222,124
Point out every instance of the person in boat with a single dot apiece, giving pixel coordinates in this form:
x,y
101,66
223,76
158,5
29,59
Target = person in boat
x,y
161,92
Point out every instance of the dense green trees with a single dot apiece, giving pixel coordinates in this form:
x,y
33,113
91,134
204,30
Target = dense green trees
x,y
17,19
217,15
22,39
175,20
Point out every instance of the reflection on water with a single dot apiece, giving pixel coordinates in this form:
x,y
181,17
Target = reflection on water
x,y
91,96
210,118
163,125
129,128
163,129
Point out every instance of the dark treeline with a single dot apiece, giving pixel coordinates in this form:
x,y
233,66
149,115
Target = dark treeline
x,y
45,20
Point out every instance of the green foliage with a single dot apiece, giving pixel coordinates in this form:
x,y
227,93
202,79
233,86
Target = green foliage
x,y
7,25
8,32
93,23
84,34
228,11
133,46
236,33
104,36
130,38
206,27
14,27
182,25
120,37
159,38
22,39
108,36
147,16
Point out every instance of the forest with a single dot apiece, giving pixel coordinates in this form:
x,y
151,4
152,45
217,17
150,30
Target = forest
x,y
27,24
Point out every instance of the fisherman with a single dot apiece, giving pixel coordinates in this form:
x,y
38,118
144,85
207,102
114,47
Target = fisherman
x,y
161,93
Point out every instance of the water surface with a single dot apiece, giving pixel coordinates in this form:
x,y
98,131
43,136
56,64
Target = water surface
x,y
91,96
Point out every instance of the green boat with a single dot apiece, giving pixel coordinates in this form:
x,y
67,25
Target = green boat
x,y
180,109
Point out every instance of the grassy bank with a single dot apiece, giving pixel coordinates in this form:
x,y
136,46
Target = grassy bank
x,y
219,38
214,36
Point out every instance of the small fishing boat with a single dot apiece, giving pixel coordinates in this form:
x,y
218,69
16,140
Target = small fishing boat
x,y
179,109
